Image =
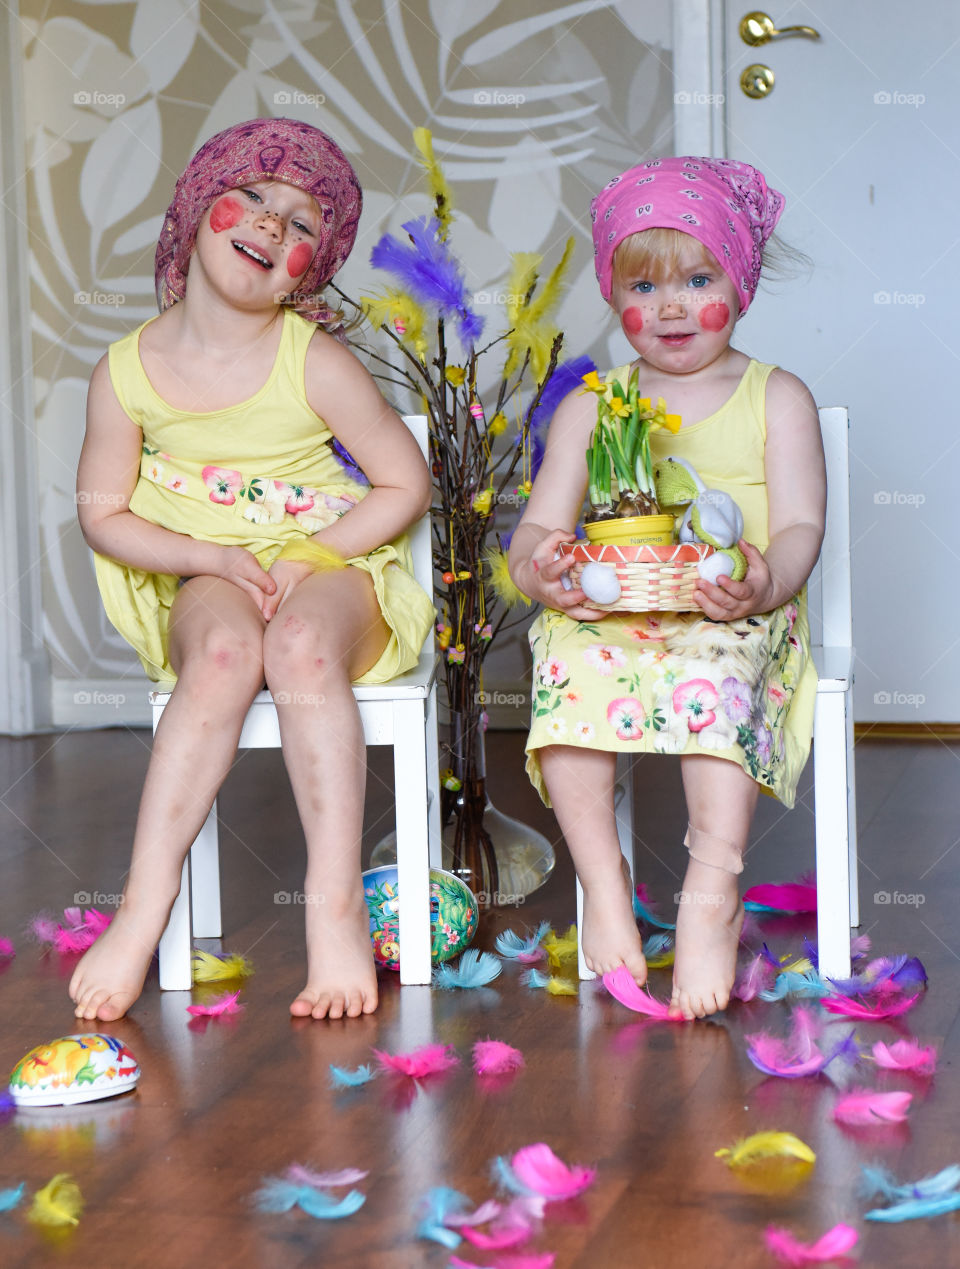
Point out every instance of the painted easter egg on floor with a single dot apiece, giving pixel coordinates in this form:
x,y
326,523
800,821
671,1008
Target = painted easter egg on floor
x,y
453,915
74,1068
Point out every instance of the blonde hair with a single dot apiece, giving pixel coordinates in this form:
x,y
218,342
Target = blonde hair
x,y
655,253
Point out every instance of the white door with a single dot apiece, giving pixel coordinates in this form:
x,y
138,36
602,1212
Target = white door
x,y
861,132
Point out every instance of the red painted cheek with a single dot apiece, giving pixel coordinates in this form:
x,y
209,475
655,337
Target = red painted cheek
x,y
632,321
299,258
713,317
226,213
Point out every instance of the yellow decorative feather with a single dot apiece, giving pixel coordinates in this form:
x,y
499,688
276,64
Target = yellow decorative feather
x,y
561,986
208,968
439,189
401,313
500,579
58,1203
766,1145
531,324
560,947
661,960
497,425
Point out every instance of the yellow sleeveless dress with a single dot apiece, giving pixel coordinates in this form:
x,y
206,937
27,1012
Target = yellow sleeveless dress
x,y
255,475
678,682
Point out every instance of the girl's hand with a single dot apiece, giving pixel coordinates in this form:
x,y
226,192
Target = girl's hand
x,y
728,600
287,574
242,567
543,577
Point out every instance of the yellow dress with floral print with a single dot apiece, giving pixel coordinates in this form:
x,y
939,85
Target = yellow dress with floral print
x,y
256,475
680,683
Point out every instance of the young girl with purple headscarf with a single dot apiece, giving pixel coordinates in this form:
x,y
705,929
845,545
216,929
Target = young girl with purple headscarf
x,y
679,247
237,544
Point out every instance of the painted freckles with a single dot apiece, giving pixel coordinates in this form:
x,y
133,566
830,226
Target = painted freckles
x,y
714,317
226,213
632,321
299,259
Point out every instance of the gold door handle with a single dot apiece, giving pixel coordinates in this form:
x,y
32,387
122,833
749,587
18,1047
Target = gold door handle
x,y
757,28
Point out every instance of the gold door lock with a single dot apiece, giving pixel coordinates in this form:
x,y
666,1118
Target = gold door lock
x,y
757,28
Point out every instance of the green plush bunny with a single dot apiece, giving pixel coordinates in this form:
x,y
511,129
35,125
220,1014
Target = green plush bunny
x,y
711,516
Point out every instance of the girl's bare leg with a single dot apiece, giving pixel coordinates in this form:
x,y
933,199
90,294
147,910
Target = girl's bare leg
x,y
581,783
326,634
721,798
216,641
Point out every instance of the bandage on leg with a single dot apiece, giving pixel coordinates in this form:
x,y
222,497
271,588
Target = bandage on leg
x,y
716,852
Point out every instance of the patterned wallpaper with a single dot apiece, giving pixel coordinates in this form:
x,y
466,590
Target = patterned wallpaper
x,y
532,106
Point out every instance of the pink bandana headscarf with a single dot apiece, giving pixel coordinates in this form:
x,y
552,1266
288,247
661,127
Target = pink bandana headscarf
x,y
724,204
264,149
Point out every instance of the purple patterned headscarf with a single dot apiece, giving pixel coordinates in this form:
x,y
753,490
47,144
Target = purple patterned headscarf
x,y
724,204
259,150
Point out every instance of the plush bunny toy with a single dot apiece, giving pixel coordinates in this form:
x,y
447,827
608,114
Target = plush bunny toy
x,y
712,516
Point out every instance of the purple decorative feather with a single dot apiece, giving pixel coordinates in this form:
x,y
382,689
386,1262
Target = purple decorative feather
x,y
429,272
567,376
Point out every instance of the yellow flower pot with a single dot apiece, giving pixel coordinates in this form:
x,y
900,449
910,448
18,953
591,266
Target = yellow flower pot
x,y
632,530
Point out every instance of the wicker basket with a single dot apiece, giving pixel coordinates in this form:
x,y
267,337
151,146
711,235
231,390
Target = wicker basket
x,y
652,578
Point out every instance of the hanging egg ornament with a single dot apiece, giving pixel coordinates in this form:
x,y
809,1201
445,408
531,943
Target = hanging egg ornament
x,y
399,325
448,578
74,1068
450,781
476,409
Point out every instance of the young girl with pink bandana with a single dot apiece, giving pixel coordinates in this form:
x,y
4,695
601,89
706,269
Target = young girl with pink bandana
x,y
246,488
679,248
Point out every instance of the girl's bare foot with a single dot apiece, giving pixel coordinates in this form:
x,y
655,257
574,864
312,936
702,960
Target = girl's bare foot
x,y
709,921
341,974
109,976
609,934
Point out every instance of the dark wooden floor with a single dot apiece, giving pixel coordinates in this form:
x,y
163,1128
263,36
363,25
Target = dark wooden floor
x,y
167,1174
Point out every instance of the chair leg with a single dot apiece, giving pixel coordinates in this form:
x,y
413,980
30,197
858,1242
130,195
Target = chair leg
x,y
175,941
852,813
433,781
623,806
413,846
205,880
833,858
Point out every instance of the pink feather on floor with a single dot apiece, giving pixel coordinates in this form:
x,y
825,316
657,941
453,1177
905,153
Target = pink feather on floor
x,y
81,930
863,1106
500,1236
906,1055
428,1059
487,1211
494,1057
44,928
222,1005
622,986
793,1057
864,1011
539,1169
540,1260
7,950
300,1175
790,896
832,1245
755,978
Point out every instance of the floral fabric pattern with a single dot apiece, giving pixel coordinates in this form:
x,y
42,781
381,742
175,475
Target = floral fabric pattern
x,y
674,683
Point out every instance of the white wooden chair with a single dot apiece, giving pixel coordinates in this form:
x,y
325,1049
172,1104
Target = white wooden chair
x,y
401,713
835,805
